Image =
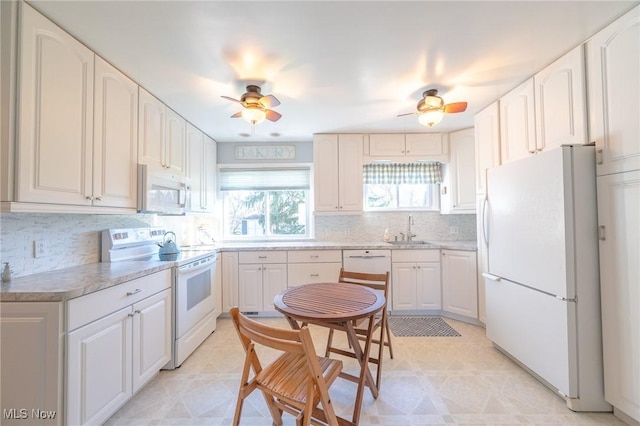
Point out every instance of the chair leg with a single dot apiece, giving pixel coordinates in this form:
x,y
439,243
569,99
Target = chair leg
x,y
388,329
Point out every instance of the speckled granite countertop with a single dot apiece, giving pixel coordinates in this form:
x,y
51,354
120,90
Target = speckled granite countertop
x,y
68,283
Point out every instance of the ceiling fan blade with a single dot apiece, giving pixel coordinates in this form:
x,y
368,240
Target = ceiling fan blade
x,y
269,101
406,113
237,114
455,107
272,115
231,99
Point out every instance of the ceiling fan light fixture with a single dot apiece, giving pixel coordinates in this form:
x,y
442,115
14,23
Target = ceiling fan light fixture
x,y
253,115
430,118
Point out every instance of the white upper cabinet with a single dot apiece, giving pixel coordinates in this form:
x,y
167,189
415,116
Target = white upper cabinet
x,y
55,104
487,143
115,138
201,169
613,64
78,124
419,145
459,188
517,123
560,100
337,161
162,136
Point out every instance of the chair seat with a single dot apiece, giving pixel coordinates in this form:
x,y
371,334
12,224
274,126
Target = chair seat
x,y
287,376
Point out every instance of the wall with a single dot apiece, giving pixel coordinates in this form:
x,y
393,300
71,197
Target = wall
x,y
369,227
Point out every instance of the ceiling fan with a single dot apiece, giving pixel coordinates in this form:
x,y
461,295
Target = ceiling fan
x,y
256,106
431,108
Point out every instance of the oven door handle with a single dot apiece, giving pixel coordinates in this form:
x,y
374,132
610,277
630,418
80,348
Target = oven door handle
x,y
189,269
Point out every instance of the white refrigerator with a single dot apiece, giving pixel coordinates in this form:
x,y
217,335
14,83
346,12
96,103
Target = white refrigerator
x,y
542,285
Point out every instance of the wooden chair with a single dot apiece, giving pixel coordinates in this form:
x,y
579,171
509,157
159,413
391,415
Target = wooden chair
x,y
379,282
296,382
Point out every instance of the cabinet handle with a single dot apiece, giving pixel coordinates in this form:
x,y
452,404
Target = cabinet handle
x,y
315,275
599,156
130,315
262,257
136,312
408,151
601,233
98,198
532,151
136,291
314,256
88,198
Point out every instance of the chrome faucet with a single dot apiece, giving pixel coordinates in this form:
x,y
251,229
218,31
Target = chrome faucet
x,y
410,234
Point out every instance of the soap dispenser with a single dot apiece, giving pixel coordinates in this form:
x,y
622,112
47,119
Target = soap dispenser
x,y
6,273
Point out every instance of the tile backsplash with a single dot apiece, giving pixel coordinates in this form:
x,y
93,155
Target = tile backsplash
x,y
74,239
370,226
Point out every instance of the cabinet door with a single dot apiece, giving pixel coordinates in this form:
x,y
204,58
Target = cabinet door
x,y
425,144
350,173
99,368
613,57
30,373
386,145
428,288
561,102
195,166
487,143
115,138
151,130
151,337
229,280
209,172
462,171
175,144
325,172
517,123
618,212
274,281
250,288
55,145
404,286
459,285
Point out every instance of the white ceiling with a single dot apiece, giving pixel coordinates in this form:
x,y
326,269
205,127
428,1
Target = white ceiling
x,y
342,66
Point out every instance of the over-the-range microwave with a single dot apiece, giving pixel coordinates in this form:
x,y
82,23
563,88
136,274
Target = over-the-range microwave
x,y
162,193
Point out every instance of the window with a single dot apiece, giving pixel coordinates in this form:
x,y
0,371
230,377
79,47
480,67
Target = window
x,y
392,186
265,202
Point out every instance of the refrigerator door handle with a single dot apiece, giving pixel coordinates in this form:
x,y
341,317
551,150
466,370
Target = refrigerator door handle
x,y
485,224
491,277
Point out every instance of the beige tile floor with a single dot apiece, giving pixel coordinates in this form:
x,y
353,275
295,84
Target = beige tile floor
x,y
431,381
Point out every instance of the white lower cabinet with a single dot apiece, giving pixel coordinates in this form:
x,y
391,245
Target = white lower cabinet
x,y
30,372
118,339
459,283
313,266
259,283
416,280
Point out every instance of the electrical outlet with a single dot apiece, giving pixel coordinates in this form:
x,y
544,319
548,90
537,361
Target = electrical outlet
x,y
41,248
453,229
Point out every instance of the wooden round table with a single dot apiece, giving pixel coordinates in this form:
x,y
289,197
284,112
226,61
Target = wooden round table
x,y
338,306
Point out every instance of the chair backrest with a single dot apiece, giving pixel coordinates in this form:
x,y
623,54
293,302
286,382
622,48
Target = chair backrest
x,y
375,281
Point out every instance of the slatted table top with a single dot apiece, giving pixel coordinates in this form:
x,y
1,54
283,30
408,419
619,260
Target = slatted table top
x,y
329,302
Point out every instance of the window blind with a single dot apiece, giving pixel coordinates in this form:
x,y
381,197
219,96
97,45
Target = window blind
x,y
264,179
399,173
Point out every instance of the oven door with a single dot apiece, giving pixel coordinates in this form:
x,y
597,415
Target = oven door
x,y
194,293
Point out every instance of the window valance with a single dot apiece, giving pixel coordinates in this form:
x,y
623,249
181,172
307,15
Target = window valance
x,y
399,173
264,179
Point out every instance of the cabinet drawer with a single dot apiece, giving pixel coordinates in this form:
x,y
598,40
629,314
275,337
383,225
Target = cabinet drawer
x,y
315,256
85,309
415,255
305,273
262,256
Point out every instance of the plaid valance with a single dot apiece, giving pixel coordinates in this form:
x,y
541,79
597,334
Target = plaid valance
x,y
397,173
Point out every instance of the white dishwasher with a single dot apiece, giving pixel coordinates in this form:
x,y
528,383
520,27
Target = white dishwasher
x,y
370,262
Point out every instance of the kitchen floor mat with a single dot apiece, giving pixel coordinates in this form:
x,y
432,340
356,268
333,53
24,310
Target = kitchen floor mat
x,y
420,326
